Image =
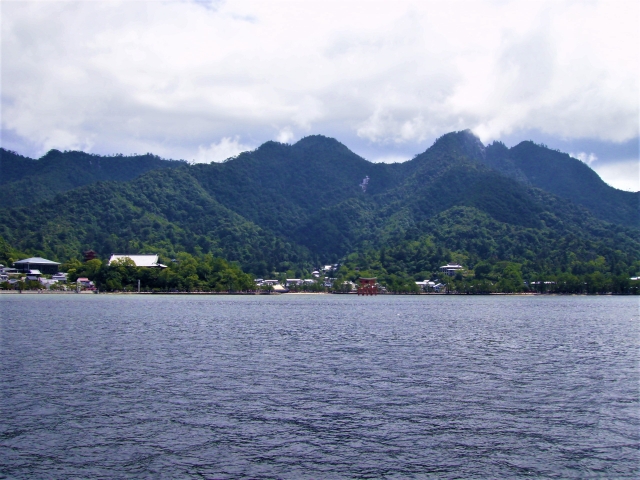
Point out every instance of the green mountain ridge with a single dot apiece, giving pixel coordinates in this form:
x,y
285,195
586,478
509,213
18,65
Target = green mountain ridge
x,y
25,181
288,208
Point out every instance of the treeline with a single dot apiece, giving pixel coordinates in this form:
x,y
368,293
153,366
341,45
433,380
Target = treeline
x,y
185,273
398,269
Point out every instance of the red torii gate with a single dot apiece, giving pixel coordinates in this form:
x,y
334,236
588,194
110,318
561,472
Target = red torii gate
x,y
367,286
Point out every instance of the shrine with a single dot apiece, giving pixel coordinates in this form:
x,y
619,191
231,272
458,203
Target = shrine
x,y
367,286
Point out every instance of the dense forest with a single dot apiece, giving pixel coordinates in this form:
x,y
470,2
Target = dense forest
x,y
512,217
25,181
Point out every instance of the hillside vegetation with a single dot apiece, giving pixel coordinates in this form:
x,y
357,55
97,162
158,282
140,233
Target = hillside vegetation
x,y
285,209
25,181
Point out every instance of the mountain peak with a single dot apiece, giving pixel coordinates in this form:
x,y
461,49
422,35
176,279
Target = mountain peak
x,y
320,142
463,142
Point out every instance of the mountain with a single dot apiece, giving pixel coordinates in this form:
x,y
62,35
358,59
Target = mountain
x,y
288,208
165,210
25,181
566,177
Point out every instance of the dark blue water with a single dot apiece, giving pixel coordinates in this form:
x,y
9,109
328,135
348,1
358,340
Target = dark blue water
x,y
322,386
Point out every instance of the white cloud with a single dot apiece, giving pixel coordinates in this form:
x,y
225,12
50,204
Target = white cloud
x,y
285,135
624,175
390,159
587,158
217,152
167,77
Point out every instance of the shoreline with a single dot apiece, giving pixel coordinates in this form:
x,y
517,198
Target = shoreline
x,y
528,294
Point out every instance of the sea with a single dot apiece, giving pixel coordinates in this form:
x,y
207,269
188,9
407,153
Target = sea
x,y
319,386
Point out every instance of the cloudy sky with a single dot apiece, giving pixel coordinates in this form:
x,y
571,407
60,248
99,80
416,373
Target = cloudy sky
x,y
204,80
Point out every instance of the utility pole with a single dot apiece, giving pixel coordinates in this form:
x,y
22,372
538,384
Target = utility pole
x,y
138,285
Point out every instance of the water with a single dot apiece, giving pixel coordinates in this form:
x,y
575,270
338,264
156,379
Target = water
x,y
323,386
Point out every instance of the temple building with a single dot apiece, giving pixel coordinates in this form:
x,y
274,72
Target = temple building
x,y
37,263
146,260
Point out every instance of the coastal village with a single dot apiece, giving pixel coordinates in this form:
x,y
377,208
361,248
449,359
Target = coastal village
x,y
37,274
41,274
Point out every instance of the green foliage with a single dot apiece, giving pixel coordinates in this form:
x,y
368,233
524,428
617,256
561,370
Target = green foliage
x,y
567,177
187,273
282,210
8,254
26,181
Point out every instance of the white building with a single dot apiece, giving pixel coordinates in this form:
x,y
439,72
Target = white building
x,y
150,260
426,285
451,269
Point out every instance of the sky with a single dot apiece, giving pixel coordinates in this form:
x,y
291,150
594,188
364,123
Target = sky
x,y
206,80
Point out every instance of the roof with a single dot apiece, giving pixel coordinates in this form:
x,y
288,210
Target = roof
x,y
39,260
35,272
150,260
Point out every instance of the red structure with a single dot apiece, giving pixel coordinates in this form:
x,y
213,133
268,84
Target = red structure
x,y
367,287
89,255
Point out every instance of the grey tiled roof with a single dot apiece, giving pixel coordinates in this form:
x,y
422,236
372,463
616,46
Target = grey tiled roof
x,y
37,260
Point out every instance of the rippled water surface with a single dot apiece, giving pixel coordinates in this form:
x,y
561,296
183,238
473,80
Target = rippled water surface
x,y
318,386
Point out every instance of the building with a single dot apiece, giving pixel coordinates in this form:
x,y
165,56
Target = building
x,y
440,288
37,263
60,277
426,285
145,260
272,285
451,269
348,286
84,282
89,255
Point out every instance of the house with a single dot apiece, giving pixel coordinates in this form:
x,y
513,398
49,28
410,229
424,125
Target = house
x,y
60,277
289,282
349,286
451,269
328,282
144,260
9,271
37,263
46,282
439,288
426,285
84,282
274,284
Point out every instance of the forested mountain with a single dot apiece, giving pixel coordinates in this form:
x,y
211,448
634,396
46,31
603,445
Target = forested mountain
x,y
288,208
25,181
567,177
